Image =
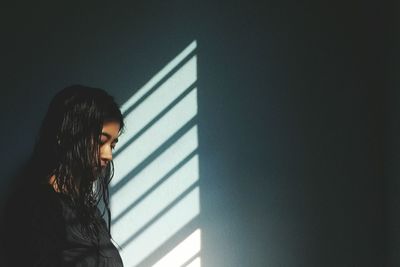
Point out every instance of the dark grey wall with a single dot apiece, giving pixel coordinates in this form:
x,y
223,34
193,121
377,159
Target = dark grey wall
x,y
291,114
392,152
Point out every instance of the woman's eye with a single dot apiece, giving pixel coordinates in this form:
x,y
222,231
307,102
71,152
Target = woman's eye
x,y
102,142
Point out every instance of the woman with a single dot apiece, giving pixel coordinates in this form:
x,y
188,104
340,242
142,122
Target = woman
x,y
53,218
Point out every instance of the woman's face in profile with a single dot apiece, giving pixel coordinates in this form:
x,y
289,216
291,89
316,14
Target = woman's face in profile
x,y
108,140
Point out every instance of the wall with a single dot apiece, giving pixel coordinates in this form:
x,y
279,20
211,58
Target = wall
x,y
291,115
392,149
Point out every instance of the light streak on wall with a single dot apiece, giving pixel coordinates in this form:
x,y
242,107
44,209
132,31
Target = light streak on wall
x,y
155,194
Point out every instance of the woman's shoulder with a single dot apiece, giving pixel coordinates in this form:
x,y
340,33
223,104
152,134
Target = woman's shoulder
x,y
34,206
33,224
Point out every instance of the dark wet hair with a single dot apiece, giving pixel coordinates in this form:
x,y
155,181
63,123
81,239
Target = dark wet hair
x,y
68,147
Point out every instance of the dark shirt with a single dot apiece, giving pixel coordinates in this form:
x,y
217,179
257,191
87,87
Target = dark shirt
x,y
41,229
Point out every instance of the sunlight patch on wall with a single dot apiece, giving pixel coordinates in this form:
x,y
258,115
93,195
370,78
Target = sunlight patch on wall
x,y
195,263
155,196
182,253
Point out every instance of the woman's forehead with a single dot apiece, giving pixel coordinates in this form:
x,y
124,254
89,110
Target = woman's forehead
x,y
111,129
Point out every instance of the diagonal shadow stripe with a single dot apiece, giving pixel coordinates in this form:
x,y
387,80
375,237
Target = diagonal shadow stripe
x,y
171,243
158,84
159,215
159,75
151,189
183,253
189,261
159,99
155,136
191,123
155,119
157,169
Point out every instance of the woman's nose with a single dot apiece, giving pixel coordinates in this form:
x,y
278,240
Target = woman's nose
x,y
106,154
